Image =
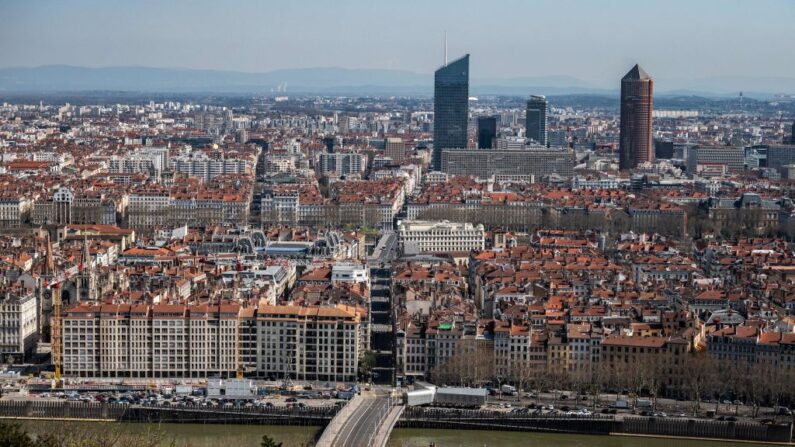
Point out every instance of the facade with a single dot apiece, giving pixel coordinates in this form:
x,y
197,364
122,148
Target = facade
x,y
450,108
635,141
395,149
68,207
534,162
19,329
536,126
733,158
487,131
780,155
152,160
198,164
435,237
14,211
201,340
308,343
341,163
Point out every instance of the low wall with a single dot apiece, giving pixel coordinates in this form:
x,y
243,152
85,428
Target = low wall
x,y
420,417
313,416
703,428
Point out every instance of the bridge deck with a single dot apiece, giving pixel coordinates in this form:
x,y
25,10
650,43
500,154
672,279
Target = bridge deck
x,y
366,421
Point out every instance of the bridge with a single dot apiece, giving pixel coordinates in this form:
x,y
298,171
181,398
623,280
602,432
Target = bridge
x,y
366,421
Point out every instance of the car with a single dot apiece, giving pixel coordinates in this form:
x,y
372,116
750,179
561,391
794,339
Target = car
x,y
291,399
726,402
738,402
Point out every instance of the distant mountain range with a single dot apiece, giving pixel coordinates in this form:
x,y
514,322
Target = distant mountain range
x,y
338,81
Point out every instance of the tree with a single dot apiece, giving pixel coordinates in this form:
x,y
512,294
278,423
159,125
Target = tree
x,y
366,364
267,441
14,435
701,378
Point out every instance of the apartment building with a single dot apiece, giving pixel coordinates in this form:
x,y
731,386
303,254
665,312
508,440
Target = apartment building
x,y
18,323
308,343
198,164
201,340
14,210
341,163
751,346
66,206
440,236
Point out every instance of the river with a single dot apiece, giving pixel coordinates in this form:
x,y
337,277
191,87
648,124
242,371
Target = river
x,y
197,435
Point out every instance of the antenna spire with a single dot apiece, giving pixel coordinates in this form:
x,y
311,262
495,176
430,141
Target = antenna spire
x,y
445,48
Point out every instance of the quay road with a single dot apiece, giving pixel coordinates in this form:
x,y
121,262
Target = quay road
x,y
366,421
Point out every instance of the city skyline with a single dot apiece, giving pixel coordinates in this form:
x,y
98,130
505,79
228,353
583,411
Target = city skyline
x,y
682,54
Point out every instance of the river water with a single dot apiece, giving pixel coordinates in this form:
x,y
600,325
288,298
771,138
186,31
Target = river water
x,y
198,435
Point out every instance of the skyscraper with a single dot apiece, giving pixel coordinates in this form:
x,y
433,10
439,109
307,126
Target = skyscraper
x,y
450,108
536,120
487,131
635,146
792,135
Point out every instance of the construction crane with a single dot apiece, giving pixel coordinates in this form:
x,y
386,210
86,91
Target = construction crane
x,y
55,327
241,369
56,334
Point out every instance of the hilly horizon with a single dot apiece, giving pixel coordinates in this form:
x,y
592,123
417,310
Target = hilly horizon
x,y
340,81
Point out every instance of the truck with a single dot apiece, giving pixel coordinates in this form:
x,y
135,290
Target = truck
x,y
422,396
621,404
643,403
460,397
231,389
508,390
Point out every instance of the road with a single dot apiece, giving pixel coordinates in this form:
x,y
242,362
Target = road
x,y
363,423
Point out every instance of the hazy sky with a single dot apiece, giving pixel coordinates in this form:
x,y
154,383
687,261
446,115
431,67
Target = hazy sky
x,y
596,41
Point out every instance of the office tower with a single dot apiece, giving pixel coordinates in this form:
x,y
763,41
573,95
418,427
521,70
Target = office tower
x,y
535,162
792,135
329,143
487,131
635,145
730,157
395,149
663,149
536,120
450,108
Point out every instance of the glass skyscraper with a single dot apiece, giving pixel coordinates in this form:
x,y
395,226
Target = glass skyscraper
x,y
450,108
487,131
536,121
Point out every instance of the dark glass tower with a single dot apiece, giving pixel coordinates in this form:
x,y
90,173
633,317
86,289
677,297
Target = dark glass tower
x,y
635,146
536,120
450,108
487,131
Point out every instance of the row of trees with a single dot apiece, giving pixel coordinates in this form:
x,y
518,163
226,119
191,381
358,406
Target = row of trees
x,y
82,435
693,377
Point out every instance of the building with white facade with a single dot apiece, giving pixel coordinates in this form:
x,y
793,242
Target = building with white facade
x,y
201,340
341,163
440,236
19,330
198,164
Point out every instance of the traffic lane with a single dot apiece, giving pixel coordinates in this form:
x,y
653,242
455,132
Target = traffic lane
x,y
368,426
352,422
